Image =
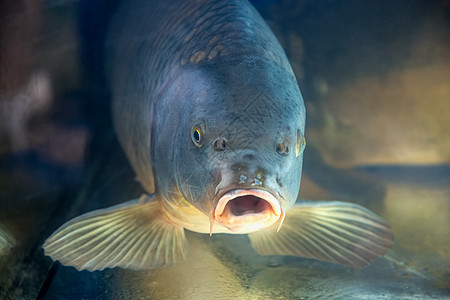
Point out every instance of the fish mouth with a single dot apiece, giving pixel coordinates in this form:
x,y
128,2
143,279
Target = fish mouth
x,y
247,210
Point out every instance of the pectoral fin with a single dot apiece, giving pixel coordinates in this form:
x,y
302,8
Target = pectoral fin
x,y
134,235
336,232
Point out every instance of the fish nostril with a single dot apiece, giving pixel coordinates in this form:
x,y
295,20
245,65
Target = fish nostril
x,y
220,144
282,148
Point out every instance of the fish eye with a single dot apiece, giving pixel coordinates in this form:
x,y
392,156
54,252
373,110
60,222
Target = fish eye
x,y
197,135
282,148
301,143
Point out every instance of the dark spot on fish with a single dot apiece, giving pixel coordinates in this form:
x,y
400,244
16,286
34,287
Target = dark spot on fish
x,y
220,144
279,182
282,148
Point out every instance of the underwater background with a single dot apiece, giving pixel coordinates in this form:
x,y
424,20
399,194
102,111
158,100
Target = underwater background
x,y
375,77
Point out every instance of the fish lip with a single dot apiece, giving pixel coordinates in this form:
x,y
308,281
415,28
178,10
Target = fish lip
x,y
232,194
235,193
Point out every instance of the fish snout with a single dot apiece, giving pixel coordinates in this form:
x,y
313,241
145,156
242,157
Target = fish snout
x,y
247,210
249,170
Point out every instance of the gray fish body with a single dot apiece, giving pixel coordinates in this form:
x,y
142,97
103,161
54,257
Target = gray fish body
x,y
217,62
209,113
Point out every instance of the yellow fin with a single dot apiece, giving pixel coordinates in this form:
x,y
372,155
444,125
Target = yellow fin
x,y
6,239
336,232
134,235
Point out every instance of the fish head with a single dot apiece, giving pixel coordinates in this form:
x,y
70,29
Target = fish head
x,y
239,147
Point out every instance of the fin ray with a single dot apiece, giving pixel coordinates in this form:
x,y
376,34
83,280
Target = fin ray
x,y
84,226
337,255
362,240
134,235
335,231
104,247
326,235
347,225
62,245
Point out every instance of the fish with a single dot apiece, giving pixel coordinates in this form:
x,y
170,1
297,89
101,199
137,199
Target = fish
x,y
210,115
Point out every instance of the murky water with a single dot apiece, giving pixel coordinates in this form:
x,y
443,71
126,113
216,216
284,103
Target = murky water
x,y
374,76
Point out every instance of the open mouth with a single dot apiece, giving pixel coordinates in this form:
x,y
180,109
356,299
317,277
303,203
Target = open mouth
x,y
249,204
247,210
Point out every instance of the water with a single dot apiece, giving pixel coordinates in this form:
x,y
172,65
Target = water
x,y
374,78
